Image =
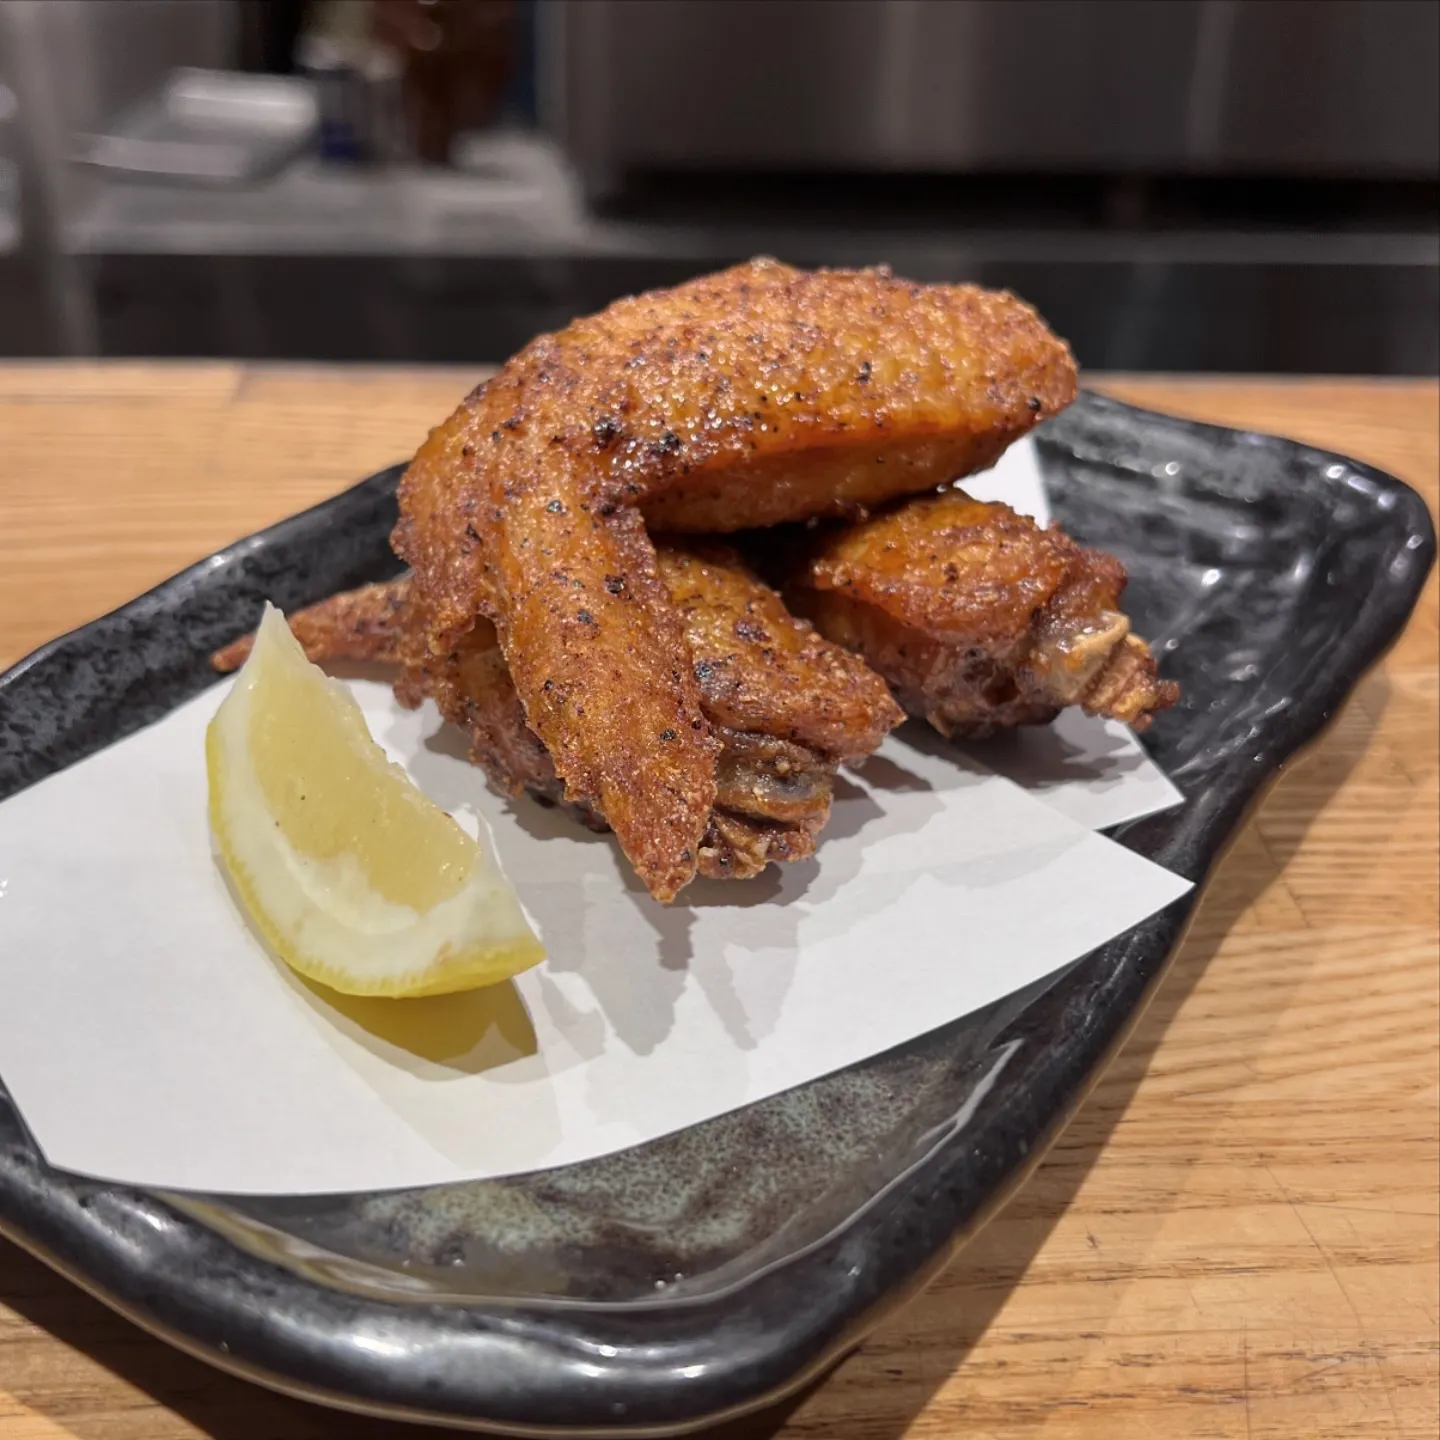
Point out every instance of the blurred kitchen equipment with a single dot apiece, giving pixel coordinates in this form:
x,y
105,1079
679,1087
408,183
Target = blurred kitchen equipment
x,y
208,127
1199,184
507,194
9,173
1260,87
457,57
267,33
357,80
358,90
69,65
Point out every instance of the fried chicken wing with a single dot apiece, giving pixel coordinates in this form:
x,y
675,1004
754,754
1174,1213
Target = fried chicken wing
x,y
759,395
772,796
375,622
785,705
979,618
759,668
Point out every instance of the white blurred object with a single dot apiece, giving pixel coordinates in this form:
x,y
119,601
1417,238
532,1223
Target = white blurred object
x,y
209,127
504,190
69,64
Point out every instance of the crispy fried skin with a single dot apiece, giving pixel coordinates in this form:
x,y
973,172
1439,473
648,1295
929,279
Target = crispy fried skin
x,y
772,796
978,618
746,398
760,668
371,623
786,706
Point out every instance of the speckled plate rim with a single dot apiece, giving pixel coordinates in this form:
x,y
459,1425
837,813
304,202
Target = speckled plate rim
x,y
520,1367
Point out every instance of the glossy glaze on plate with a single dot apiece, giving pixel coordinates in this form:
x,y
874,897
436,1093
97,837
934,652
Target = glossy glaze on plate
x,y
708,1272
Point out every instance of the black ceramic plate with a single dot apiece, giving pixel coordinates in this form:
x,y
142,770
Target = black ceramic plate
x,y
710,1272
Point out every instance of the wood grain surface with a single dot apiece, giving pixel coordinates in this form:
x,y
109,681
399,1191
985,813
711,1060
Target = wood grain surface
x,y
1237,1237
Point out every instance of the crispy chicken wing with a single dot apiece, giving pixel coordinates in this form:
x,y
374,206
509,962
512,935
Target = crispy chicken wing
x,y
772,795
755,396
374,622
785,705
759,668
978,618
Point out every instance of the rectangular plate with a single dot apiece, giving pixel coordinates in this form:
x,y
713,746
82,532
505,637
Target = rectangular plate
x,y
711,1272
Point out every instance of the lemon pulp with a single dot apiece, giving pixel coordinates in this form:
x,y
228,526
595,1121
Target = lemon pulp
x,y
354,877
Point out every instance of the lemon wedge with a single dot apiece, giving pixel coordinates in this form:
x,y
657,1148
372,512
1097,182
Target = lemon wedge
x,y
351,874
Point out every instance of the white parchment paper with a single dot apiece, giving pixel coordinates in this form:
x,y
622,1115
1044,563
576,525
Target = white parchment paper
x,y
148,1037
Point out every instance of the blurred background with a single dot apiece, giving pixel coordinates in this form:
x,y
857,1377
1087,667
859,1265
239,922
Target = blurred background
x,y
1238,185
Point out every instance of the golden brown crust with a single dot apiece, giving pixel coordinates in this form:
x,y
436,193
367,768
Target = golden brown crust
x,y
761,668
785,705
472,689
757,395
371,623
948,566
980,619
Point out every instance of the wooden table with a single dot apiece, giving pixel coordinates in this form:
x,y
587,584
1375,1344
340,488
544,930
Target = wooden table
x,y
1237,1235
